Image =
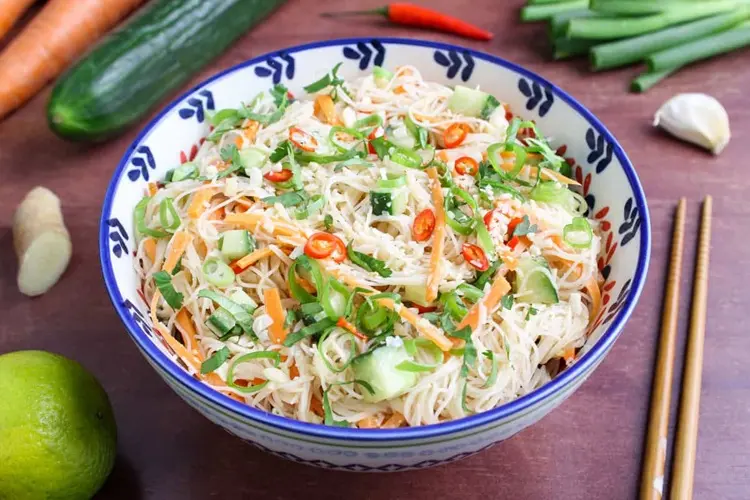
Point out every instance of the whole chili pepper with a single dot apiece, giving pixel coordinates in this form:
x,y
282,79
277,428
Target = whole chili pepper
x,y
414,15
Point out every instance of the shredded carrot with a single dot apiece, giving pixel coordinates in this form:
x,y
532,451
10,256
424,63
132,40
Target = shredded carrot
x,y
61,32
547,174
184,323
177,246
343,323
251,258
399,90
293,371
276,331
433,279
487,304
251,221
152,188
395,421
596,297
325,111
370,422
316,406
250,130
200,201
149,246
217,214
569,355
238,141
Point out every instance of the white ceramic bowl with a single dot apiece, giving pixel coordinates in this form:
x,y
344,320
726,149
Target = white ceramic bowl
x,y
610,186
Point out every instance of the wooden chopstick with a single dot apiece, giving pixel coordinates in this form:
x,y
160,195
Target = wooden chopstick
x,y
687,426
652,475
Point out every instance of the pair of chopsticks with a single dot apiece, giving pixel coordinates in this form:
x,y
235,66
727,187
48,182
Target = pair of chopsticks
x,y
652,479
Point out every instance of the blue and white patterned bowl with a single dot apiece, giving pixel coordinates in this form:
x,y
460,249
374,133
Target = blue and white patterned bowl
x,y
610,186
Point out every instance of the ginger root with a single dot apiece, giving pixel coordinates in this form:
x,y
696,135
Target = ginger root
x,y
41,241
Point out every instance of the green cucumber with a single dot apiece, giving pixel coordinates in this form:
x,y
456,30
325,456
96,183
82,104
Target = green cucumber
x,y
389,201
472,102
243,299
382,76
534,282
378,368
252,158
187,170
221,321
145,60
416,294
236,243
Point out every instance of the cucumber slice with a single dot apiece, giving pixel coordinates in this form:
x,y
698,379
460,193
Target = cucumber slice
x,y
416,294
534,282
378,368
472,102
236,243
389,201
221,321
243,299
252,158
382,77
187,170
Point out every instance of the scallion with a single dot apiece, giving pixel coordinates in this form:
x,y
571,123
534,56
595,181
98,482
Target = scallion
x,y
578,233
352,349
168,216
218,273
308,331
215,360
412,347
367,262
139,215
334,298
392,182
272,355
241,315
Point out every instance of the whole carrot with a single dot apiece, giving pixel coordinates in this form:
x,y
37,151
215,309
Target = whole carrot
x,y
10,11
56,36
408,14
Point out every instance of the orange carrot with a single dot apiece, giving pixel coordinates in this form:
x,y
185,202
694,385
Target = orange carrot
x,y
343,323
316,406
200,201
177,247
293,371
184,323
10,12
152,188
250,130
596,297
433,279
396,420
55,37
487,304
248,260
569,355
325,110
251,221
149,246
370,422
276,331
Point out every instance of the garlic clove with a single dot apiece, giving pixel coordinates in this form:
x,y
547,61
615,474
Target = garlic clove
x,y
696,118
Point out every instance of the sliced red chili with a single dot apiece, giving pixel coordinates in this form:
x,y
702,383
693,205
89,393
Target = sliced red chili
x,y
302,139
475,256
339,252
513,242
424,225
370,137
467,166
488,218
423,309
322,245
280,176
455,135
512,225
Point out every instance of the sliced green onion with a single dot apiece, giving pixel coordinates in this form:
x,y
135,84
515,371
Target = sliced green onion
x,y
392,183
372,317
139,214
454,306
405,157
484,239
493,373
295,289
334,298
243,318
168,215
487,275
455,218
215,361
324,82
367,262
308,331
471,292
371,121
307,157
313,205
163,282
352,351
348,131
420,134
412,346
578,233
218,273
272,355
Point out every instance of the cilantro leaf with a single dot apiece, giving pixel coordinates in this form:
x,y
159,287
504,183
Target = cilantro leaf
x,y
287,199
215,361
470,351
525,227
231,155
330,79
531,312
328,222
163,282
367,262
507,301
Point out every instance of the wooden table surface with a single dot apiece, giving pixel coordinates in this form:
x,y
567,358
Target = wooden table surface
x,y
589,448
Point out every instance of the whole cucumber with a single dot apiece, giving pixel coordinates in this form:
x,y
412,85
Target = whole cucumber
x,y
146,59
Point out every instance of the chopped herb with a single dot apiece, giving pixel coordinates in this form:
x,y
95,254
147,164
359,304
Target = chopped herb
x,y
531,312
291,318
470,351
507,301
215,361
163,282
328,222
328,413
367,262
493,373
353,162
330,79
281,151
178,266
487,275
525,227
287,199
232,155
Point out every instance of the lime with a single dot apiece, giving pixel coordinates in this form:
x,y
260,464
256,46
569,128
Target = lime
x,y
57,430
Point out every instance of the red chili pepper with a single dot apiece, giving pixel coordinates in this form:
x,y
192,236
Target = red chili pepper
x,y
467,165
370,137
302,139
280,176
322,245
488,219
423,309
455,135
475,256
408,14
424,225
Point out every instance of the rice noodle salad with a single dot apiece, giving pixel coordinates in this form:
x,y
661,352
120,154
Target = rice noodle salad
x,y
382,252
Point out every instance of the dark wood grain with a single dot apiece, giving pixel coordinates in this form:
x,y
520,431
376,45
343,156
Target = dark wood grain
x,y
589,448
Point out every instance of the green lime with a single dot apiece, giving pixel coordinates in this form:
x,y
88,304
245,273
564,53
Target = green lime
x,y
57,430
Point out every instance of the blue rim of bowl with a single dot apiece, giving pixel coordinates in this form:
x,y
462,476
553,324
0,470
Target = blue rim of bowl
x,y
410,433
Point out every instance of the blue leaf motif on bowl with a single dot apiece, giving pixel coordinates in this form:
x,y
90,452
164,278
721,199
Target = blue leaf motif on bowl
x,y
277,67
454,62
119,236
197,104
537,96
364,54
631,222
141,161
138,317
601,151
